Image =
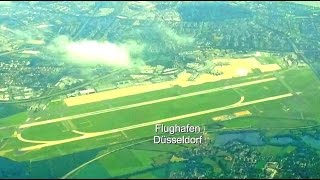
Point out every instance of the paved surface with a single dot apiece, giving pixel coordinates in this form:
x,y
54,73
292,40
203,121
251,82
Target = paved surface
x,y
240,103
145,103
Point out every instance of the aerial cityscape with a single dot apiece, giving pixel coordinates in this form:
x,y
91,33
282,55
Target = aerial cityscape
x,y
173,90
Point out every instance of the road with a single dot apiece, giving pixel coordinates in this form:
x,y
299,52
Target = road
x,y
144,103
101,156
240,103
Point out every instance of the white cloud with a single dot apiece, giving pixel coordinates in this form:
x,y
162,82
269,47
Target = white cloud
x,y
95,52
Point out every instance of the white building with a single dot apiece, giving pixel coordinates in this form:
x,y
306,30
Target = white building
x,y
87,91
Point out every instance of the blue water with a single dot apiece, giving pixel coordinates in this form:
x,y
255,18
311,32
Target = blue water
x,y
252,138
281,140
311,141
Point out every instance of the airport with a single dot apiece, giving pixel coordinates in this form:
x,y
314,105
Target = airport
x,y
140,90
91,125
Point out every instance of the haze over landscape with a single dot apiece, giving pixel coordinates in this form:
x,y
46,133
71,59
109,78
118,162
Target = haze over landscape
x,y
171,90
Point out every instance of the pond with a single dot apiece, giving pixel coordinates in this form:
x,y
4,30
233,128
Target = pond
x,y
252,138
281,140
311,141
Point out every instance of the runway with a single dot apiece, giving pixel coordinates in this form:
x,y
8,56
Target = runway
x,y
240,103
144,103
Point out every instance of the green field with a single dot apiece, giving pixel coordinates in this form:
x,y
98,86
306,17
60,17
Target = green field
x,y
269,150
132,116
297,111
59,109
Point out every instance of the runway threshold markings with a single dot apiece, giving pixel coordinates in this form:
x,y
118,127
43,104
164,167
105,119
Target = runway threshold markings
x,y
145,103
96,134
